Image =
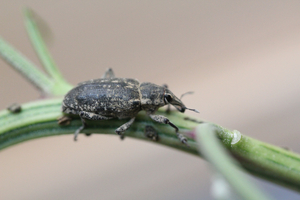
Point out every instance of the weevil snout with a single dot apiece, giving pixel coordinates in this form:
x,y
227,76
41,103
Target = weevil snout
x,y
170,98
176,102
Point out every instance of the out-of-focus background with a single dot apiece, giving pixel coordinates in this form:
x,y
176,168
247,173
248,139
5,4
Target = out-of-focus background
x,y
240,58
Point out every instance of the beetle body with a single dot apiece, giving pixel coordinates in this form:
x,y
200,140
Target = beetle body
x,y
115,97
110,97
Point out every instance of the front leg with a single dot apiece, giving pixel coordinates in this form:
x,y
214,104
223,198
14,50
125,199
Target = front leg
x,y
168,110
88,115
163,120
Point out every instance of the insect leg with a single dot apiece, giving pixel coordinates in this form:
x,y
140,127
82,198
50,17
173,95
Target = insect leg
x,y
92,116
64,120
79,129
163,120
151,133
120,131
169,106
88,115
109,74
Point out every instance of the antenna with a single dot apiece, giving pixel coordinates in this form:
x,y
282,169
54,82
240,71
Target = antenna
x,y
190,92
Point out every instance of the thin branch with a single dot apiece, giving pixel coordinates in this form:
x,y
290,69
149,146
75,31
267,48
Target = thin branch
x,y
54,85
43,53
261,159
39,119
210,147
21,64
39,45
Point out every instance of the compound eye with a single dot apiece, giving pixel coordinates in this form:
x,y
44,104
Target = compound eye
x,y
168,97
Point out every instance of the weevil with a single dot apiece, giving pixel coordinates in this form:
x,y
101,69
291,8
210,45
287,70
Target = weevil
x,y
110,97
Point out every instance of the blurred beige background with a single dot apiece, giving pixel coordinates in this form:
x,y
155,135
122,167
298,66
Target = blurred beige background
x,y
241,59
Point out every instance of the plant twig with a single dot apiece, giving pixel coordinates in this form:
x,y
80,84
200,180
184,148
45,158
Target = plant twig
x,y
210,147
43,53
20,63
39,119
54,84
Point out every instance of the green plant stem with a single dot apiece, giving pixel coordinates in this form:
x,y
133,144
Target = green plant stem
x,y
39,79
39,119
211,149
264,160
20,63
267,161
43,53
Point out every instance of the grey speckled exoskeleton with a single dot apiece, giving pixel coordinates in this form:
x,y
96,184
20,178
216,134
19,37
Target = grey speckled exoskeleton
x,y
110,97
